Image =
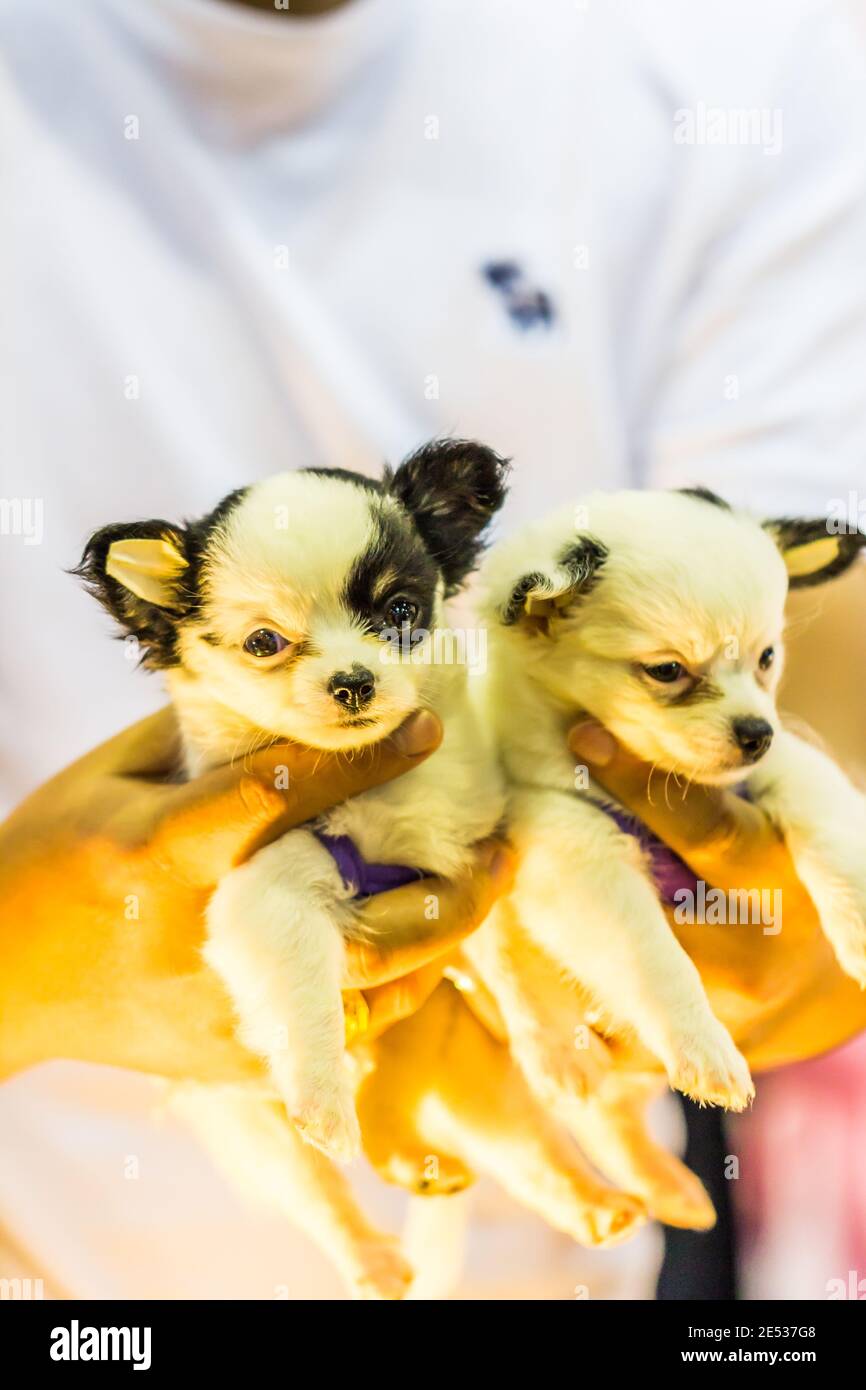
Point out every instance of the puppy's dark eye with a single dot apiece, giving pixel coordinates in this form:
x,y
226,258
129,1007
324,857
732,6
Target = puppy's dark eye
x,y
265,642
767,657
401,612
666,672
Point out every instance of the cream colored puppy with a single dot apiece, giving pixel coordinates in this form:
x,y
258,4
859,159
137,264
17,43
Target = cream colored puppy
x,y
306,607
660,614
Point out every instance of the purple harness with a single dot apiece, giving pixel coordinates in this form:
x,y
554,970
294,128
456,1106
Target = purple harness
x,y
363,878
670,873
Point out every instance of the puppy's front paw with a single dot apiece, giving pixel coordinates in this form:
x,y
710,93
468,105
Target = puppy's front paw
x,y
325,1117
709,1068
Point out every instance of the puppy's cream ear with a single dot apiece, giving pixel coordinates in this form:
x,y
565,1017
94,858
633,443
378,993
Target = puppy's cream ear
x,y
543,593
140,572
148,567
811,551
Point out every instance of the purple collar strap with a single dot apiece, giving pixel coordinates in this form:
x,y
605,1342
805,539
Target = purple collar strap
x,y
365,879
670,873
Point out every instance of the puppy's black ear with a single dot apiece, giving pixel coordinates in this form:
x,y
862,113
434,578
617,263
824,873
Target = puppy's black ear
x,y
541,594
813,553
453,488
137,573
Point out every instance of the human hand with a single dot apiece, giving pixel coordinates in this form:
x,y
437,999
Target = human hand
x,y
106,872
782,995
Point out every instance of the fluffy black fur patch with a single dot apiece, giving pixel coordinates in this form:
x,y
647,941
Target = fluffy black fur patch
x,y
197,539
703,494
790,532
583,559
526,585
452,488
345,475
397,562
580,559
154,627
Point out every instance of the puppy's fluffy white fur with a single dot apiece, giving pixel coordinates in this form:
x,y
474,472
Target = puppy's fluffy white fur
x,y
579,605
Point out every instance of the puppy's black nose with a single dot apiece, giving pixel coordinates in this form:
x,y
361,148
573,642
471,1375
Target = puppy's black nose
x,y
353,689
753,736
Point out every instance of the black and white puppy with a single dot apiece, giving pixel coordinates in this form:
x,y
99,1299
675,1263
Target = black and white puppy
x,y
267,619
661,614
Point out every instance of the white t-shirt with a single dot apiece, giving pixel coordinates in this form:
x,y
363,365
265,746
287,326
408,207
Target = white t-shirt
x,y
623,243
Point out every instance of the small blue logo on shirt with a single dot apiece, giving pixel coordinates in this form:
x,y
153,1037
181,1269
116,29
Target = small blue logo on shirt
x,y
527,306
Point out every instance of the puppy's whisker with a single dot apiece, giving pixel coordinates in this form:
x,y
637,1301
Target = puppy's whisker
x,y
250,748
649,783
796,624
238,741
667,784
259,741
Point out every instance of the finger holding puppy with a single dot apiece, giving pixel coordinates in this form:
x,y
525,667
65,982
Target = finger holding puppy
x,y
118,822
407,928
703,824
221,818
725,839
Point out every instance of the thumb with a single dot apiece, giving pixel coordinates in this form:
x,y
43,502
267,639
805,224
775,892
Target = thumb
x,y
687,816
221,818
